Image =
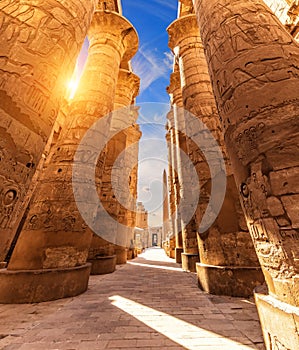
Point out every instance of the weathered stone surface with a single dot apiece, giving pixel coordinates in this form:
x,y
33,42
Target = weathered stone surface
x,y
187,238
221,244
102,265
257,122
228,280
39,44
18,287
54,234
279,322
284,181
253,63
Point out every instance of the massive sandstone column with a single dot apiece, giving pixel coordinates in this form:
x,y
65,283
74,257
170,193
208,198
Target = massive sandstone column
x,y
188,240
228,262
39,44
254,66
115,200
166,222
171,239
53,245
176,187
133,136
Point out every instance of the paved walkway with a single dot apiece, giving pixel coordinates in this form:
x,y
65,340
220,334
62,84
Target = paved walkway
x,y
149,303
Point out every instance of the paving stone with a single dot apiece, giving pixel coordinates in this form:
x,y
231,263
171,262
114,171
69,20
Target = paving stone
x,y
157,310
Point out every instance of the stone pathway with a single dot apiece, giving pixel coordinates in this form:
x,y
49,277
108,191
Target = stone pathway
x,y
149,303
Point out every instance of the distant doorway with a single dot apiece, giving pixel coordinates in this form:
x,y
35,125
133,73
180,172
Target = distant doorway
x,y
154,240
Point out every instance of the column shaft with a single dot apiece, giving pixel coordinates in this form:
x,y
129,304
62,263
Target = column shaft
x,y
38,52
188,229
115,195
253,63
54,235
227,242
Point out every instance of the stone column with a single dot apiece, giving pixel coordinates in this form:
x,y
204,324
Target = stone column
x,y
133,137
188,248
175,215
126,91
228,262
171,239
55,240
165,207
38,52
254,68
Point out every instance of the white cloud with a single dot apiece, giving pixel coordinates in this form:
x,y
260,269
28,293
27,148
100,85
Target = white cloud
x,y
171,4
162,9
168,59
149,67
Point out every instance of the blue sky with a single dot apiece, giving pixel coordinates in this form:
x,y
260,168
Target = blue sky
x,y
153,64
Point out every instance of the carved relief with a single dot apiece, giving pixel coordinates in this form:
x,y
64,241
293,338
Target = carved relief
x,y
38,48
9,193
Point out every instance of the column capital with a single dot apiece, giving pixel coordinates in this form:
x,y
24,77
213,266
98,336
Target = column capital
x,y
174,89
182,28
130,80
108,26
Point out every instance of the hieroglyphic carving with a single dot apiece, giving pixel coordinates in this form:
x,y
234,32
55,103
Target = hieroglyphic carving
x,y
254,66
54,208
39,44
217,245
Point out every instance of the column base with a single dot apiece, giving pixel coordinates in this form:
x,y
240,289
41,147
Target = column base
x,y
178,255
280,322
130,254
229,280
189,262
121,256
172,253
103,265
36,286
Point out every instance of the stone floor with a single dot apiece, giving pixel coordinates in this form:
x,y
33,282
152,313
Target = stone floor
x,y
149,303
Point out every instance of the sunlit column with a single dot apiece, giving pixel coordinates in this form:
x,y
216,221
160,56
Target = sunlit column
x,y
227,243
173,183
38,52
253,63
115,195
133,136
187,239
54,237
